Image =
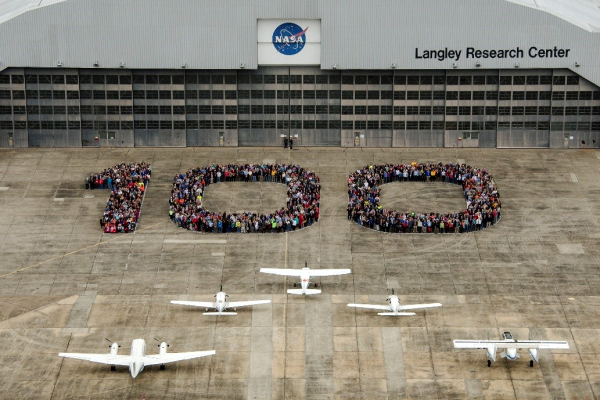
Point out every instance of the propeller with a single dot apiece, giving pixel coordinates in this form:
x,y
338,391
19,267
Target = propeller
x,y
110,341
161,341
305,264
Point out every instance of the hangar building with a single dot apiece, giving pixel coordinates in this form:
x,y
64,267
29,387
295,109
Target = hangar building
x,y
386,73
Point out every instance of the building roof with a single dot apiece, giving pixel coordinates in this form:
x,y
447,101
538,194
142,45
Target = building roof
x,y
10,9
583,13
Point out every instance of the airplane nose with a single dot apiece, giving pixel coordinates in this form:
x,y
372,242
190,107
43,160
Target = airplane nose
x,y
135,369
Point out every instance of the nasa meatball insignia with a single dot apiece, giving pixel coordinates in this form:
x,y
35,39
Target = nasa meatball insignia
x,y
440,55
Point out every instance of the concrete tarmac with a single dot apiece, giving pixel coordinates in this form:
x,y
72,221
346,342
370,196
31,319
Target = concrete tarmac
x,y
66,287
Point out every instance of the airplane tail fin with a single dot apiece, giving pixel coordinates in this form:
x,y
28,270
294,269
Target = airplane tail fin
x,y
219,313
307,291
392,314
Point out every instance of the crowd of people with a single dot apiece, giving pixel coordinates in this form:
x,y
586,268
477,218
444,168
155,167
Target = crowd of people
x,y
301,209
479,189
127,184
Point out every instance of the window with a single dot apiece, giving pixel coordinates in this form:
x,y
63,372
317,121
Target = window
x,y
423,125
179,110
399,125
229,94
268,109
491,95
138,94
490,125
572,80
479,95
464,95
33,109
585,110
360,95
165,110
334,109
503,110
361,110
297,109
438,125
58,94
412,124
439,95
191,94
451,95
308,109
451,110
398,95
19,110
205,109
373,110
451,125
139,109
74,125
425,110
543,126
56,79
518,125
518,110
283,109
518,80
373,94
595,110
33,125
296,124
322,79
531,95
504,96
595,126
152,125
308,94
28,79
45,94
140,124
533,80
230,124
544,110
386,125
191,124
110,110
572,95
477,125
412,110
558,95
412,95
216,79
335,94
425,95
518,96
465,80
283,124
479,80
205,94
123,79
558,111
438,110
452,80
531,110
387,110
126,110
530,125
559,80
152,94
178,94
464,110
491,80
372,124
570,126
545,80
308,79
322,109
439,80
46,110
399,110
556,126
478,110
164,94
400,80
112,94
587,95
506,80
570,110
583,126
99,110
86,110
295,94
360,124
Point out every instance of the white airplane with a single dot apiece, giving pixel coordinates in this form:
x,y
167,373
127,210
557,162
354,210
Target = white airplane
x,y
305,274
511,345
137,359
394,308
221,304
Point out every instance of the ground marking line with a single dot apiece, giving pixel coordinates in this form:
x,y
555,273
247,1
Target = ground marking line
x,y
72,252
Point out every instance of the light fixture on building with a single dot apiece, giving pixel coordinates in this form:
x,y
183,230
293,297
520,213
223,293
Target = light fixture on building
x,y
577,64
454,65
516,65
393,65
59,64
96,64
334,66
122,65
184,65
478,64
242,65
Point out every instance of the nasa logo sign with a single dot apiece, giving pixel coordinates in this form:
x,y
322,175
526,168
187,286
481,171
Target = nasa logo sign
x,y
289,39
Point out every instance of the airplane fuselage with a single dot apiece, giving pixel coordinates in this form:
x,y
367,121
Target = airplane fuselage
x,y
304,279
394,303
138,351
220,301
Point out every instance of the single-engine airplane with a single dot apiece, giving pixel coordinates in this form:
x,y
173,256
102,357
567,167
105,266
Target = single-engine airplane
x,y
511,346
137,359
394,308
221,304
304,274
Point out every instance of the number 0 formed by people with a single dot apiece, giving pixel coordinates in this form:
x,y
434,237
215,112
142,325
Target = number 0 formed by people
x,y
128,182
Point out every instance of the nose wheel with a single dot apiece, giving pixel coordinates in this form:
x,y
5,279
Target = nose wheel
x,y
489,363
531,363
163,367
113,368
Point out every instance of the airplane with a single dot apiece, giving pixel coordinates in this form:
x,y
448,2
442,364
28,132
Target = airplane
x,y
511,345
221,304
137,359
304,274
394,308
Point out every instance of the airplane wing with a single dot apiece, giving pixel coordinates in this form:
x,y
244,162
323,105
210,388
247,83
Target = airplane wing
x,y
501,344
99,358
279,271
205,304
328,272
174,357
413,306
235,304
371,306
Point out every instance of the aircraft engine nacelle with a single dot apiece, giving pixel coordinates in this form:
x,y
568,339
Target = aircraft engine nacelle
x,y
534,354
491,353
114,348
163,348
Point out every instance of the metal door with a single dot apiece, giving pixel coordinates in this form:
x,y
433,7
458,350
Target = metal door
x,y
11,142
469,139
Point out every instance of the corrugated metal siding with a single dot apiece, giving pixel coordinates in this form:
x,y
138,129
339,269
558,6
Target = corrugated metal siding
x,y
221,34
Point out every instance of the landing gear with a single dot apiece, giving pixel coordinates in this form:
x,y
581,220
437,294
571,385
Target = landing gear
x,y
163,367
489,363
113,368
531,363
294,285
316,285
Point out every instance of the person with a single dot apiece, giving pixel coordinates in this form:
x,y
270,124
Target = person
x,y
291,143
285,142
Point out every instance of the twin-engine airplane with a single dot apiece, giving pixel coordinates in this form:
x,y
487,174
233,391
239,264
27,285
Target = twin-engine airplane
x,y
221,304
305,274
137,359
394,308
511,345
